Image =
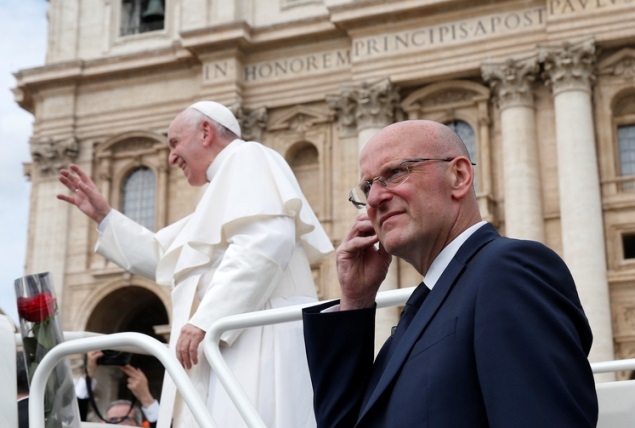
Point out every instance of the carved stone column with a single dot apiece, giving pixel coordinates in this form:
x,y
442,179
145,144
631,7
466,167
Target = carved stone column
x,y
568,68
369,107
511,82
49,218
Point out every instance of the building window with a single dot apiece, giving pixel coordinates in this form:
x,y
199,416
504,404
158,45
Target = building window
x,y
138,197
141,16
628,244
466,133
626,147
305,166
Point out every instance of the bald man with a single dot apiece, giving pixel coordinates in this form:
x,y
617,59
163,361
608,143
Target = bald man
x,y
248,246
494,336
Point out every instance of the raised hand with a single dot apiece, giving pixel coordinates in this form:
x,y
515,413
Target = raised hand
x,y
361,266
84,193
138,385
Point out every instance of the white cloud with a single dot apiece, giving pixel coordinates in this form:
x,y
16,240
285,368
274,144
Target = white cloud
x,y
24,29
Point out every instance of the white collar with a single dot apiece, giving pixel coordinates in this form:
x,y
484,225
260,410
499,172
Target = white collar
x,y
445,256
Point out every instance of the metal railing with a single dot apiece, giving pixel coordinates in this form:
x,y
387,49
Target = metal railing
x,y
211,345
81,342
131,342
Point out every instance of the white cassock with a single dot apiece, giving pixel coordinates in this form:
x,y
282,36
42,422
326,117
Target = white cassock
x,y
248,246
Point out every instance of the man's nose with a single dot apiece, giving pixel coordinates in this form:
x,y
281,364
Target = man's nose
x,y
377,193
172,158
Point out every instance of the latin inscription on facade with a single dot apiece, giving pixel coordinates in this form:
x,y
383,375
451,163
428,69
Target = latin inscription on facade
x,y
560,7
448,33
283,68
401,42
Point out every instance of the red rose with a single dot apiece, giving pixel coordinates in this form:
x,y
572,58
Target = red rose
x,y
37,308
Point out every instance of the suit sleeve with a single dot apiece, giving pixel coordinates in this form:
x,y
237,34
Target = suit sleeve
x,y
532,340
340,352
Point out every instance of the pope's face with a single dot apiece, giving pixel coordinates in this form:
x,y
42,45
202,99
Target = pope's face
x,y
187,150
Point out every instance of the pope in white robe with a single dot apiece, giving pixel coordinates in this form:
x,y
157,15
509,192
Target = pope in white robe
x,y
248,246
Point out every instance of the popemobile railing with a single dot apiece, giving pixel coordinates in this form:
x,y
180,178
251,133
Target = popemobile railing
x,y
135,342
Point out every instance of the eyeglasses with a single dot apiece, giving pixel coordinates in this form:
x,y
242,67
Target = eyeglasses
x,y
120,419
391,180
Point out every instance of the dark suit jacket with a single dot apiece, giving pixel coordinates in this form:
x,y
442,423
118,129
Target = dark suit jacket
x,y
501,341
23,412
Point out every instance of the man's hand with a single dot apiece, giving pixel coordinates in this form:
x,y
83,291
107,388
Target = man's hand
x,y
187,345
91,362
138,385
361,267
84,193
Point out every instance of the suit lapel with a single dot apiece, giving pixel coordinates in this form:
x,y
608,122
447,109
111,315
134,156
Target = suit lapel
x,y
429,308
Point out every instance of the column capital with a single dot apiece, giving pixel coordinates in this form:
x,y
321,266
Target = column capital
x,y
252,123
365,105
569,66
51,155
511,81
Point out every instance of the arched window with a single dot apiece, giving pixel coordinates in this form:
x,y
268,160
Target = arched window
x,y
138,197
141,16
305,165
465,131
626,151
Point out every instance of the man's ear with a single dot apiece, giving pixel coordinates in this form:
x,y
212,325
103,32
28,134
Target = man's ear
x,y
208,133
463,177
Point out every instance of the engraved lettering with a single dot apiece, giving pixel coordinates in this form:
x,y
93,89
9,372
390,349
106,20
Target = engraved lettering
x,y
512,21
311,63
250,73
418,38
495,21
480,29
400,40
289,67
343,58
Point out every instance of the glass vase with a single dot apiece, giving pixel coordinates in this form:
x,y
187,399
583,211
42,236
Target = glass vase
x,y
41,330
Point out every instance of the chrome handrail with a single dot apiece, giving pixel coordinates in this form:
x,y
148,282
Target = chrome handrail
x,y
211,345
122,341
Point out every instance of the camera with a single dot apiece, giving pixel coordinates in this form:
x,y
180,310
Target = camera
x,y
114,358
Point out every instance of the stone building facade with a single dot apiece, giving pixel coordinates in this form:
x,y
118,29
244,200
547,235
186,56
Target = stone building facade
x,y
543,92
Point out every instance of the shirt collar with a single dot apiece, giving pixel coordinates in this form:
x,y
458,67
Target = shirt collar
x,y
445,256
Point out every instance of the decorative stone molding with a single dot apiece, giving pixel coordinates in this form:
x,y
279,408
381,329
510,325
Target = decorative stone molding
x,y
301,119
512,81
51,155
620,64
569,66
366,105
253,123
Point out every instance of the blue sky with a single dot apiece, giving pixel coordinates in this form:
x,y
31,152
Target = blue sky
x,y
24,32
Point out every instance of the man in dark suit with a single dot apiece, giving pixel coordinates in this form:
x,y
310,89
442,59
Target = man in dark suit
x,y
495,336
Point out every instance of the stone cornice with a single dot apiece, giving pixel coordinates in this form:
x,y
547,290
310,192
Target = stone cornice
x,y
355,14
242,36
73,72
